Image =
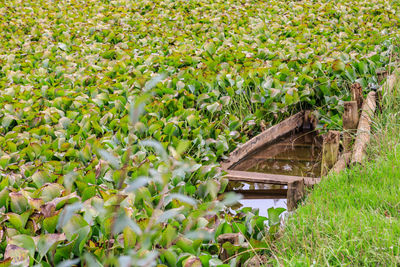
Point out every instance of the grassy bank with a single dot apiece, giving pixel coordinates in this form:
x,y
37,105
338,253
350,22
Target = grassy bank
x,y
353,218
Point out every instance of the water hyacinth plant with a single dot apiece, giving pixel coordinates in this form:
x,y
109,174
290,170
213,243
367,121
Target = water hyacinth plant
x,y
135,203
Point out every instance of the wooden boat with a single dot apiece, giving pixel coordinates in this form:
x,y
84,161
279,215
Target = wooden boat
x,y
263,159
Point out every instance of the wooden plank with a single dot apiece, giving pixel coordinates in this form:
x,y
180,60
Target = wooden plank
x,y
262,194
266,178
295,193
364,128
272,151
330,151
283,150
267,136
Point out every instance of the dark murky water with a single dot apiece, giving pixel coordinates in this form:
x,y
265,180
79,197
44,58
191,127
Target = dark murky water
x,y
297,155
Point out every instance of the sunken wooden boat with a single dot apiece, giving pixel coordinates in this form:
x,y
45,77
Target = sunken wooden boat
x,y
287,154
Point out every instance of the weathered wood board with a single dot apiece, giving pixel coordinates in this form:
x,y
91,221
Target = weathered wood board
x,y
295,193
330,151
364,128
266,178
262,193
294,122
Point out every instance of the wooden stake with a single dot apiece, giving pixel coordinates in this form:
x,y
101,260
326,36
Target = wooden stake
x,y
350,122
310,121
356,95
364,128
342,163
295,193
330,151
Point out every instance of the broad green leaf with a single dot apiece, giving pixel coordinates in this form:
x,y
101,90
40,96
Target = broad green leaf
x,y
24,241
18,202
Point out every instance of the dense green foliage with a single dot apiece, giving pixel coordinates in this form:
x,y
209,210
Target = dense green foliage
x,y
353,218
114,115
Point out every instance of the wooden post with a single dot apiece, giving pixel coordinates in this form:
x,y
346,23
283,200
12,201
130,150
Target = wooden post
x,y
364,128
356,95
310,121
350,122
330,151
342,163
295,193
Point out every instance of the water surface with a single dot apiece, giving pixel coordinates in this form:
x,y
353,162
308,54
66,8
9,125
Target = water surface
x,y
296,155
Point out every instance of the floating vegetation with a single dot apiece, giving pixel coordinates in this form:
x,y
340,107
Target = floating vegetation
x,y
115,114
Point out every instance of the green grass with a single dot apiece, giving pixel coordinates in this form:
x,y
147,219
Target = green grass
x,y
352,219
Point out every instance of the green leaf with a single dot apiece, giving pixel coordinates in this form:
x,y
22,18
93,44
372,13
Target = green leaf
x,y
77,226
110,158
129,238
213,107
181,198
274,215
50,223
88,193
338,66
210,48
17,220
231,198
7,121
12,147
65,122
24,241
192,261
45,242
168,236
186,245
51,191
19,203
4,198
168,257
4,161
168,214
40,178
62,46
